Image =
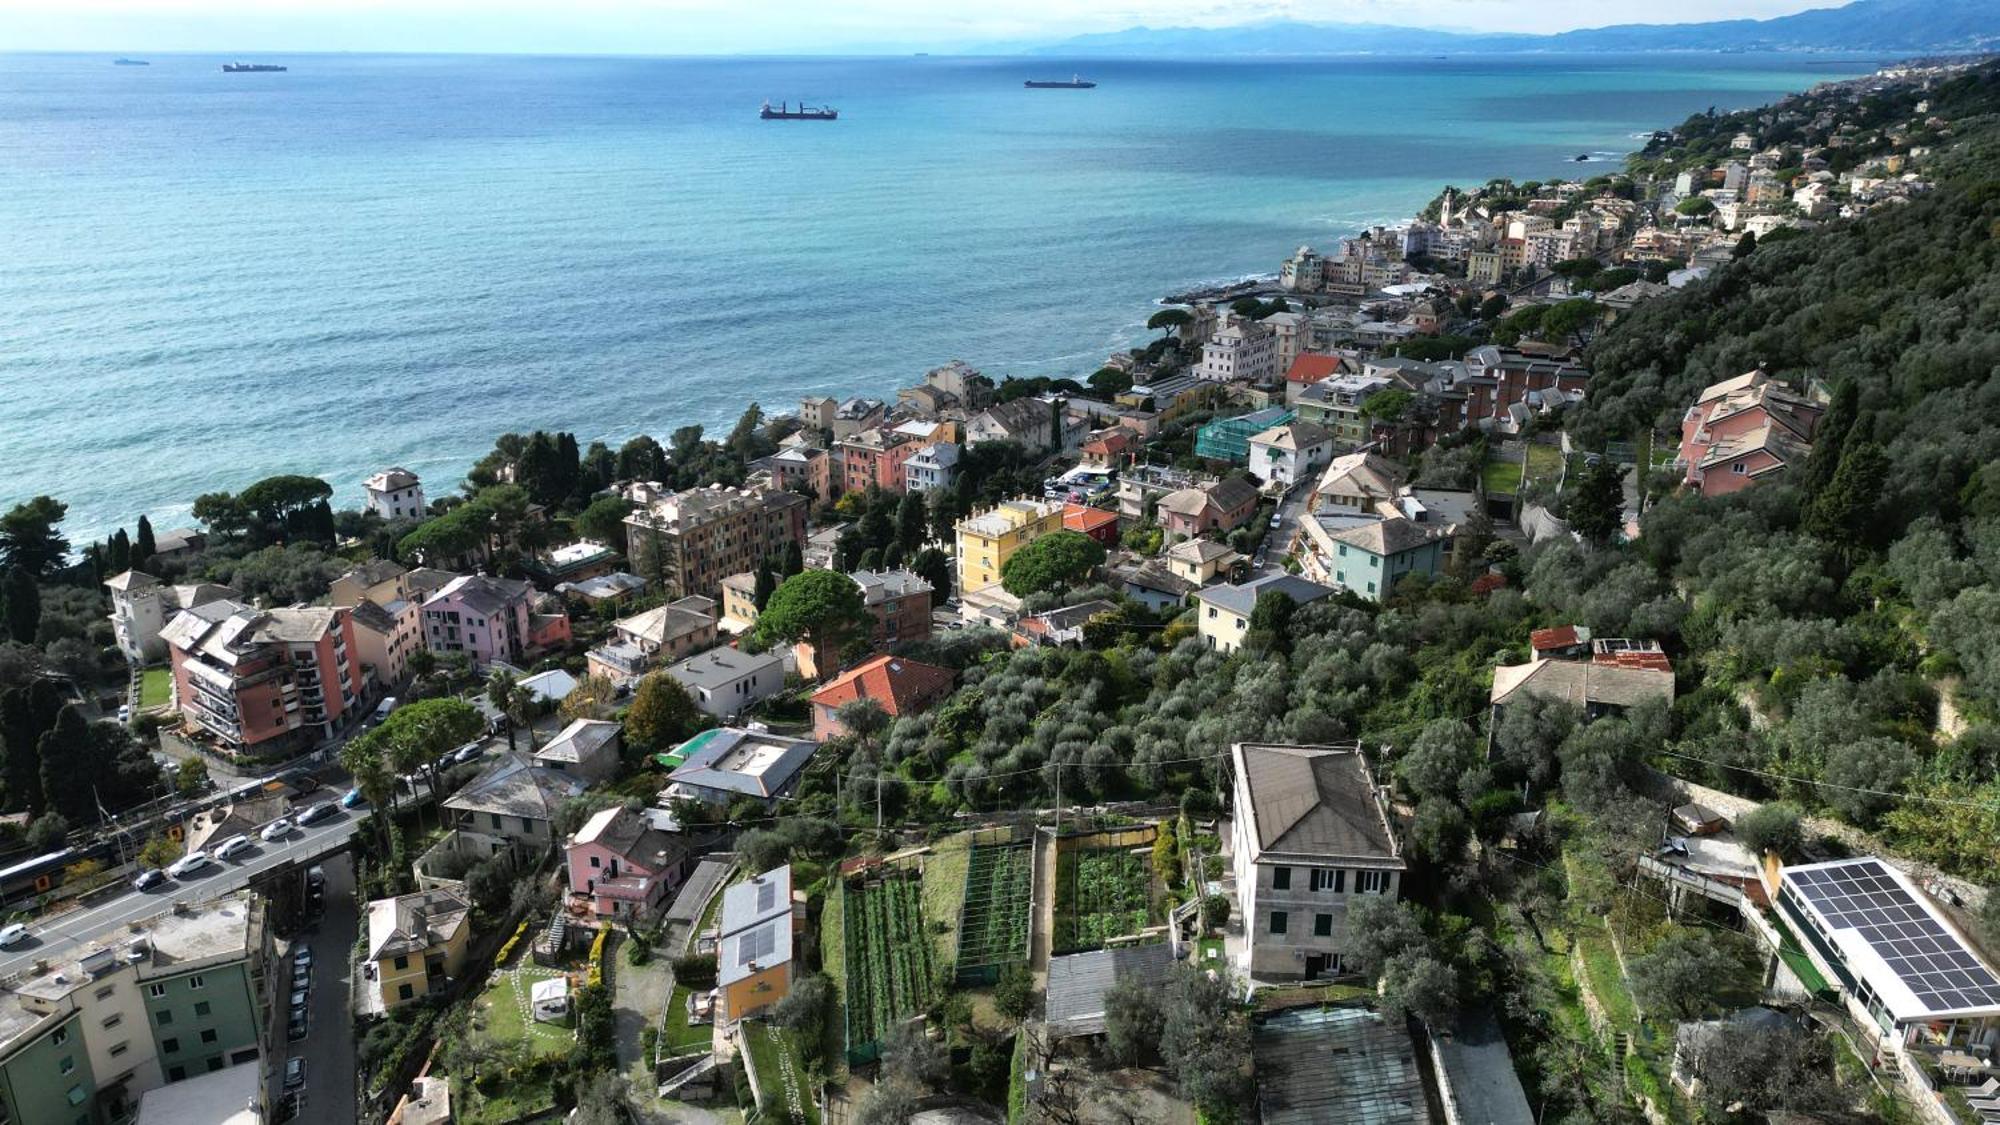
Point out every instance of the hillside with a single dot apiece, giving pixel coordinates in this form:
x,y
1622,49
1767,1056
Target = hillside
x,y
1866,25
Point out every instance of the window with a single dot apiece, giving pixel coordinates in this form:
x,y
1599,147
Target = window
x,y
1322,925
1281,878
60,1037
67,1064
120,1048
495,818
156,991
594,862
404,992
77,1093
1371,882
1279,920
208,1036
170,1045
402,962
114,1019
215,1063
176,1073
1737,468
163,1017
105,992
1324,879
201,1009
195,982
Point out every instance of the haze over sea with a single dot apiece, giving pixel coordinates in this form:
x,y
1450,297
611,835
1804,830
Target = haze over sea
x,y
209,278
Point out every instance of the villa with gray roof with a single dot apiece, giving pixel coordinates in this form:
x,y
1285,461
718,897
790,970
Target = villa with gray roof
x,y
141,606
1223,612
512,805
725,682
1369,552
731,763
1311,833
587,749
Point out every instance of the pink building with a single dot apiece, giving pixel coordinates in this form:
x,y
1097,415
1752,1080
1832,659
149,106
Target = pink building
x,y
875,457
1223,506
622,866
264,682
489,618
1743,429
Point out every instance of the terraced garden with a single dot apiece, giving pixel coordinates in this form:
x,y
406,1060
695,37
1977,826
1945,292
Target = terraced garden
x,y
891,974
993,925
1101,893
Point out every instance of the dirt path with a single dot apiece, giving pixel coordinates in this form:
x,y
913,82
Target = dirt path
x,y
1044,914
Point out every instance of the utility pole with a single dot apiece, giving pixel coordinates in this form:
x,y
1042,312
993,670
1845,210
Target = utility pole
x,y
1058,799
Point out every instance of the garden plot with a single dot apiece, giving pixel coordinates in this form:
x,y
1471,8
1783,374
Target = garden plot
x,y
1101,893
993,925
888,957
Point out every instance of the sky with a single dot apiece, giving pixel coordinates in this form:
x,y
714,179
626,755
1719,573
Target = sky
x,y
675,27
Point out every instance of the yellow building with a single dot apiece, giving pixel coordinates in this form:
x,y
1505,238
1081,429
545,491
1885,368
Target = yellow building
x,y
987,540
755,938
417,943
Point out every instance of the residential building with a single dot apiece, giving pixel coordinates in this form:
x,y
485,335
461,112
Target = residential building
x,y
586,749
816,412
961,381
153,1002
756,936
1228,439
1595,689
1290,330
264,682
1243,351
1035,424
417,944
1223,612
1743,430
1154,586
388,621
803,468
1220,507
1170,396
688,542
725,682
179,543
874,458
857,414
930,467
739,602
1336,403
1499,379
141,606
510,808
394,494
733,763
1062,626
900,603
1312,835
573,562
1905,971
1367,553
605,589
1303,272
1289,453
1357,482
986,540
623,867
1306,370
488,619
1097,523
644,640
901,687
1199,562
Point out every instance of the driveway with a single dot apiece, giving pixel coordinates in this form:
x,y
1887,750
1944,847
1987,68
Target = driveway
x,y
1270,557
328,1047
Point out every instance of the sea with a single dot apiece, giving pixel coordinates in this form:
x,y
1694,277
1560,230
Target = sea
x,y
375,260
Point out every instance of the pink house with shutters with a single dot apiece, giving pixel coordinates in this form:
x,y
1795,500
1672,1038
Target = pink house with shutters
x,y
622,867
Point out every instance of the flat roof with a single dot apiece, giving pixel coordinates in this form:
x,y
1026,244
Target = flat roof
x,y
231,1096
1895,939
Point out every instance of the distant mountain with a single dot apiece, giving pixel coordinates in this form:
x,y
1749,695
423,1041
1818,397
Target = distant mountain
x,y
1865,25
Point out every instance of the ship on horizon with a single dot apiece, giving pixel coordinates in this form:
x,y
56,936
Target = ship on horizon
x,y
803,112
130,62
250,68
1075,83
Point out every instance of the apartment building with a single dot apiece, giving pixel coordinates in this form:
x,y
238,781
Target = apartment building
x,y
664,633
1240,351
875,457
688,542
489,619
900,603
394,494
264,682
417,943
141,606
152,1002
388,619
986,540
1742,430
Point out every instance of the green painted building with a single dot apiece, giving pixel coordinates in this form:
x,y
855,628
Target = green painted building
x,y
47,1078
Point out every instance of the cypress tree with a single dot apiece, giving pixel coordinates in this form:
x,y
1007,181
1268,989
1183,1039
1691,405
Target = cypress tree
x,y
118,551
767,584
795,559
143,545
1830,437
66,755
21,604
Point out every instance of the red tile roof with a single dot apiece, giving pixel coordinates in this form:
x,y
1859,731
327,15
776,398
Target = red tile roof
x,y
1084,518
900,686
1311,368
1562,636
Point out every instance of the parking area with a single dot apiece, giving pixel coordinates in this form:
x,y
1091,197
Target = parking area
x,y
328,1047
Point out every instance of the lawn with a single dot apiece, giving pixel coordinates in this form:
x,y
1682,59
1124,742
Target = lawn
x,y
833,962
503,1008
156,686
1502,478
781,1077
1545,462
682,1037
944,893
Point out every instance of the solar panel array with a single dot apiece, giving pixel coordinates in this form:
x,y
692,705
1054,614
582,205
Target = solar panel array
x,y
757,945
767,896
1931,962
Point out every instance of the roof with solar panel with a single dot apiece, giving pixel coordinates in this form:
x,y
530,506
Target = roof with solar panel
x,y
1896,940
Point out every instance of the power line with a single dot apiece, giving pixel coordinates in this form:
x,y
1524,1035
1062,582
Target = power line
x,y
1987,806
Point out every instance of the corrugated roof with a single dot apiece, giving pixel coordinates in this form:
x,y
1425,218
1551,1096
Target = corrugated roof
x,y
1078,982
1316,1066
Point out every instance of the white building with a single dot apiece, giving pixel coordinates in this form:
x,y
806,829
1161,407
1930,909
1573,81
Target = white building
x,y
726,681
930,468
1240,350
1312,834
141,605
1289,453
394,494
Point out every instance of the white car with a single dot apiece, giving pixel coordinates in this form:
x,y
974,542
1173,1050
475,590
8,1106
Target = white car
x,y
277,829
232,847
13,935
316,813
189,864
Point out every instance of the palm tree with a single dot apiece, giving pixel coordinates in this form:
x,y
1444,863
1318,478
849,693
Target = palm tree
x,y
362,757
500,687
521,707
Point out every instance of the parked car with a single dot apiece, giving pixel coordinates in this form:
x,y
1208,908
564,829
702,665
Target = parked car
x,y
148,879
232,847
296,1028
289,1107
277,829
300,994
315,880
352,798
13,935
189,864
302,960
469,753
295,1073
124,712
316,813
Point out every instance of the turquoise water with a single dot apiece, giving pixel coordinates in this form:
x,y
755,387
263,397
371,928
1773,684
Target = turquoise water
x,y
375,260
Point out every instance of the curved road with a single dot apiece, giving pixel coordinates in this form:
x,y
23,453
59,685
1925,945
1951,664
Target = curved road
x,y
62,935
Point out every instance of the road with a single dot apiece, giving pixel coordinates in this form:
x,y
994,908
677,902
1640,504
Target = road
x,y
1270,557
62,935
328,1047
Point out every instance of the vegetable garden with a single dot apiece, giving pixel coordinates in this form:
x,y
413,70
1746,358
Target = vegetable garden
x,y
993,924
1101,893
888,957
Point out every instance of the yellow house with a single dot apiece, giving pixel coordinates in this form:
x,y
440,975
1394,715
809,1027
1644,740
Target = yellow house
x,y
1200,561
756,936
416,943
987,540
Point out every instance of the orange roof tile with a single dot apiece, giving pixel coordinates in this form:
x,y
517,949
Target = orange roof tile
x,y
1311,368
1084,518
900,686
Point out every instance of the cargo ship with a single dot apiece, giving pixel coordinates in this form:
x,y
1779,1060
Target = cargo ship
x,y
804,112
1074,83
249,68
130,62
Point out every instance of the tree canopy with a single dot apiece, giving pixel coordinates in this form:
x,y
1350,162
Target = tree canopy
x,y
1055,561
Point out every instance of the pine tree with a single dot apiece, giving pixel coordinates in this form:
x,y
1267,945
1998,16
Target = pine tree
x,y
1595,504
20,604
795,559
143,546
912,522
767,583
